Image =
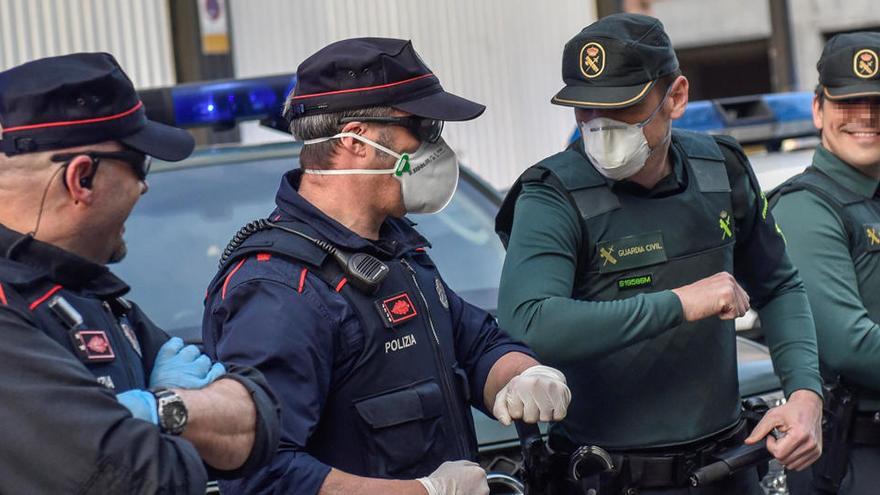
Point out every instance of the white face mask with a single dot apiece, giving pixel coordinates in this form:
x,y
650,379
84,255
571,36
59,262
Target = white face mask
x,y
616,149
428,177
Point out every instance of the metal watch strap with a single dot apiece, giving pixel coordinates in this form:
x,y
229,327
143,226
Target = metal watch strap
x,y
171,410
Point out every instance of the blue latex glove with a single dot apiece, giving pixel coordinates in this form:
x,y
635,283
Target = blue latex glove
x,y
141,403
183,366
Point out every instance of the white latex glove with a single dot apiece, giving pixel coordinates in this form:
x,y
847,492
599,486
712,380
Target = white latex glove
x,y
456,478
537,394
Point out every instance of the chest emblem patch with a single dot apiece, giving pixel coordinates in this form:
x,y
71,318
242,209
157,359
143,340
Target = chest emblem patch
x,y
872,231
396,309
724,221
93,345
631,252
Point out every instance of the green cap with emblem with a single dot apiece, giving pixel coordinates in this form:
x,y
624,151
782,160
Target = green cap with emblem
x,y
614,62
848,67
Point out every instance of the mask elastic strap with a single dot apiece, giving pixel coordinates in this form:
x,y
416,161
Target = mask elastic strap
x,y
624,125
353,171
353,136
657,109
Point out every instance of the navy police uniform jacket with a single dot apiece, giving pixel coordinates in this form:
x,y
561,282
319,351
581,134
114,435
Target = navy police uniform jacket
x,y
373,384
63,429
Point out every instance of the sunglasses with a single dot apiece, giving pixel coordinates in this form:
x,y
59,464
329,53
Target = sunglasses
x,y
428,130
139,162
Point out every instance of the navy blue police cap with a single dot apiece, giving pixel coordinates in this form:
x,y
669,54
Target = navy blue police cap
x,y
370,72
79,99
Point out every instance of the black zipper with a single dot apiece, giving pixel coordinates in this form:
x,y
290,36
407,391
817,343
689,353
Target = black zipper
x,y
449,388
120,333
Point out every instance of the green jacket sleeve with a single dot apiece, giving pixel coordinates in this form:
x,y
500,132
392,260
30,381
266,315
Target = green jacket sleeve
x,y
818,243
535,303
776,291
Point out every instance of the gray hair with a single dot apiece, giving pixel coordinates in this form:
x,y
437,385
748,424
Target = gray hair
x,y
324,125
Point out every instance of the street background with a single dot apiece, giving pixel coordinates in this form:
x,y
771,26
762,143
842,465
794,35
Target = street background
x,y
503,53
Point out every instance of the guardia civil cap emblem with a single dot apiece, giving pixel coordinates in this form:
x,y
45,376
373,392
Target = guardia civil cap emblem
x,y
592,60
865,63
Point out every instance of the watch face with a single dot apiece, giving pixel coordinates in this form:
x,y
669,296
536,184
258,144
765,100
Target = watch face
x,y
177,415
173,414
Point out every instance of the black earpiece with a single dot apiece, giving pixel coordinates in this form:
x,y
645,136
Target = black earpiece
x,y
86,182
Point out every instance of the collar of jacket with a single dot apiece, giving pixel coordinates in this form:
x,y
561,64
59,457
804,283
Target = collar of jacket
x,y
845,174
28,260
396,235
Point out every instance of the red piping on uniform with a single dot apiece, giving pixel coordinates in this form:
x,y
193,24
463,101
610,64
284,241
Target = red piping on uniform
x,y
45,296
77,122
2,296
421,250
302,279
341,284
228,277
366,88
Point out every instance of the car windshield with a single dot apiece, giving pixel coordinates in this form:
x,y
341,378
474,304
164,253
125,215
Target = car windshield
x,y
178,231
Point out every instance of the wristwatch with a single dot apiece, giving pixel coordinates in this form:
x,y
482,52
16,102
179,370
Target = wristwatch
x,y
172,411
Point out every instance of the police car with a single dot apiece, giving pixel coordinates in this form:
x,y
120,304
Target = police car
x,y
179,230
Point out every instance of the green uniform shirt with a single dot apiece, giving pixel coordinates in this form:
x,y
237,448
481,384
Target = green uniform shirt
x,y
848,338
536,304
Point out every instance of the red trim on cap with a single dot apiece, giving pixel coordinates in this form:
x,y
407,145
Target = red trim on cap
x,y
228,277
76,122
367,88
3,296
45,296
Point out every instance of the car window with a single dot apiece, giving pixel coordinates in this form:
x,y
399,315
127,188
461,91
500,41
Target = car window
x,y
178,231
464,246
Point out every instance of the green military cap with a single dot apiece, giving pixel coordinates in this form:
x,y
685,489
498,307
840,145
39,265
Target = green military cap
x,y
848,67
614,62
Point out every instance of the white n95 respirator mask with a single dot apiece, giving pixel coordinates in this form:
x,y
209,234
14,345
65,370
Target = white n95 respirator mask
x,y
428,177
616,149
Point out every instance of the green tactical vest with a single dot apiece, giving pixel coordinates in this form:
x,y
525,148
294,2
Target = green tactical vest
x,y
861,220
680,386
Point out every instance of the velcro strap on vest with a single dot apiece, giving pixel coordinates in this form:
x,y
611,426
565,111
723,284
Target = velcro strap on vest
x,y
706,160
276,241
826,188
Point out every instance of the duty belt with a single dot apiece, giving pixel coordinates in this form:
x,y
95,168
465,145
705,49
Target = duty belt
x,y
592,467
866,429
591,470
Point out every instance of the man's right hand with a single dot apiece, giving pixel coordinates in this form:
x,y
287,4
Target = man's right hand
x,y
719,295
457,478
178,365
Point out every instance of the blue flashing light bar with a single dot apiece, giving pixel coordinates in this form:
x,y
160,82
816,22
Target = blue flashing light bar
x,y
725,115
224,103
790,107
701,116
749,118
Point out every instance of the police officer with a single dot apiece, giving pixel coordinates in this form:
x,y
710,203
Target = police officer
x,y
629,256
335,297
96,398
831,218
